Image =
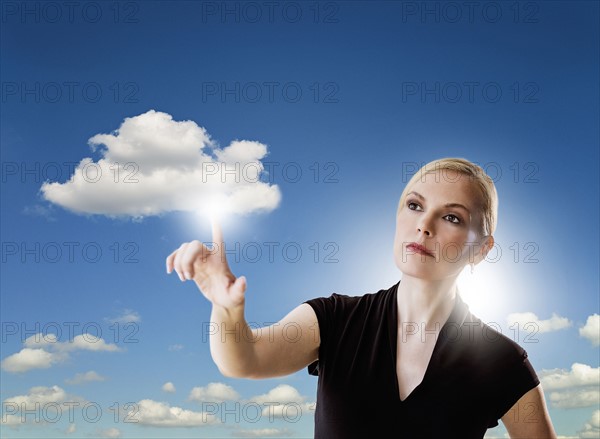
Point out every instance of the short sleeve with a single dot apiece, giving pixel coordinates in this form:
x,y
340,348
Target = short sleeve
x,y
324,308
512,385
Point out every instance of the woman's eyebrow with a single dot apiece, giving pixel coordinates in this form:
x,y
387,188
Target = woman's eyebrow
x,y
418,195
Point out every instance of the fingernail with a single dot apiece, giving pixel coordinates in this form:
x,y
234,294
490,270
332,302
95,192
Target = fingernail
x,y
188,276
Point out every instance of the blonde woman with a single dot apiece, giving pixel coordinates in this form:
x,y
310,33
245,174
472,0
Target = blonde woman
x,y
408,361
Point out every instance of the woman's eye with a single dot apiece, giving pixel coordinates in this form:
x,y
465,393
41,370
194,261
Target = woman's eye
x,y
455,217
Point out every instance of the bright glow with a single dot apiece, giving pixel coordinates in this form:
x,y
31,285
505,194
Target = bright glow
x,y
217,207
483,291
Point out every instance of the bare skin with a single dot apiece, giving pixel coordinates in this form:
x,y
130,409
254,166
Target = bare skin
x,y
425,295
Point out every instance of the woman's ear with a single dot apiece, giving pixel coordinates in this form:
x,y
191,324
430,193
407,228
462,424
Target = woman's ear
x,y
487,243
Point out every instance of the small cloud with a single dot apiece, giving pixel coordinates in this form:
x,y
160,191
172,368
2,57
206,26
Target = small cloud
x,y
577,398
37,397
168,387
46,212
214,392
531,322
44,350
28,359
281,399
579,387
591,429
87,377
591,329
110,432
262,432
579,375
41,340
88,342
175,347
160,414
126,316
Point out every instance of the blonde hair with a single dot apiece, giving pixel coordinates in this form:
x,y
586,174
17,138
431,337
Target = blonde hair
x,y
488,203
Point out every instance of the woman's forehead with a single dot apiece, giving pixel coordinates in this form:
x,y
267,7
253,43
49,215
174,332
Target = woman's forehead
x,y
459,187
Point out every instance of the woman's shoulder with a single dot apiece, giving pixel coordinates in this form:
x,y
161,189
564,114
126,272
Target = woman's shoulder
x,y
488,341
367,299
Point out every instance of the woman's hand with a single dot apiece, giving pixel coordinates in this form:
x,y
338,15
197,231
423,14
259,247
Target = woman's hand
x,y
209,269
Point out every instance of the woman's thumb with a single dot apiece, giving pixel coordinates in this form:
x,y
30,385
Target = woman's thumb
x,y
239,286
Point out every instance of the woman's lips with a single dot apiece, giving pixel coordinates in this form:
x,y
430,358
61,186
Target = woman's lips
x,y
419,249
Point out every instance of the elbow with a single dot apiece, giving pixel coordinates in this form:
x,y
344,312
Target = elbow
x,y
233,371
230,373
240,373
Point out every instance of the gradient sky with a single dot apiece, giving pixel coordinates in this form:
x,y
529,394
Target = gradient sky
x,y
354,95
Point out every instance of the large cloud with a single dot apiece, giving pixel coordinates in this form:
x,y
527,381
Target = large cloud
x,y
153,165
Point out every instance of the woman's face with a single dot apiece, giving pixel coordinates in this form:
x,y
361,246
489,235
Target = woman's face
x,y
448,232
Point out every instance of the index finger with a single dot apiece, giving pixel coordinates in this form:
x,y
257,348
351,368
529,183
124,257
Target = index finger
x,y
217,234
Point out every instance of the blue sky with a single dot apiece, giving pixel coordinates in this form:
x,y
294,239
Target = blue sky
x,y
349,98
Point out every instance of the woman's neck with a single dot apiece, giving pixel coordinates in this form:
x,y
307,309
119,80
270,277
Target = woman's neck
x,y
426,302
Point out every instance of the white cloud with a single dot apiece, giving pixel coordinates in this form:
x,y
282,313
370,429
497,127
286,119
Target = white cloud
x,y
43,350
110,432
40,395
153,164
12,421
40,406
175,347
168,387
591,429
40,340
262,432
283,401
160,414
46,212
83,341
87,377
591,329
579,375
528,321
281,394
579,387
214,392
571,399
28,359
126,316
88,342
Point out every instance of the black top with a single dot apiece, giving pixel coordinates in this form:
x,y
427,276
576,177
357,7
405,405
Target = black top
x,y
475,375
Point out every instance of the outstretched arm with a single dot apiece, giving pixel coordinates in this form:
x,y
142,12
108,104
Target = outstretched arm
x,y
238,350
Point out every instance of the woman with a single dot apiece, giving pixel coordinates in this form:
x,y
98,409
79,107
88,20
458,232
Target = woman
x,y
411,360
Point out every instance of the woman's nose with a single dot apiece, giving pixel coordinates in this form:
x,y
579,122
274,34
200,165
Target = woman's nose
x,y
424,226
425,231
